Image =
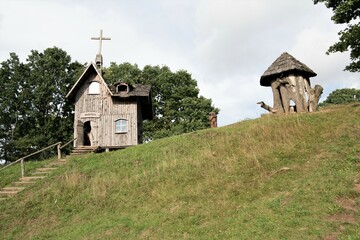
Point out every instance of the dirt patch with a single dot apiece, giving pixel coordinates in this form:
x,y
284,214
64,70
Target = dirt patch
x,y
347,204
344,218
357,187
331,237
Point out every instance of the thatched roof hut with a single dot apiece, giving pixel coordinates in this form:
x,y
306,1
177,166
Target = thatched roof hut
x,y
285,65
289,81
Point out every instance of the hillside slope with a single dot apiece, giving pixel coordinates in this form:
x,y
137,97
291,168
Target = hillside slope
x,y
278,177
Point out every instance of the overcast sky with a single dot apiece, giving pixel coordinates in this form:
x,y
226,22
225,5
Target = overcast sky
x,y
225,44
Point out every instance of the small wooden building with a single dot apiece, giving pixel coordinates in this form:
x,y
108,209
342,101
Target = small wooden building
x,y
289,80
108,116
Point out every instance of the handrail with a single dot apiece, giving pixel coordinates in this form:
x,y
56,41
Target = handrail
x,y
67,143
21,160
59,147
31,154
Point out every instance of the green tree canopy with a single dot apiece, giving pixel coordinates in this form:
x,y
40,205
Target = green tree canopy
x,y
34,111
346,12
342,96
177,105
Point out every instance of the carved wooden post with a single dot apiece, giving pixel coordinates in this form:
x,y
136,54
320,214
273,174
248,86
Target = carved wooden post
x,y
266,107
314,96
276,95
22,168
59,151
213,119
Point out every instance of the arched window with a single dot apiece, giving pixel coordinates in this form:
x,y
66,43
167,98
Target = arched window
x,y
121,126
94,88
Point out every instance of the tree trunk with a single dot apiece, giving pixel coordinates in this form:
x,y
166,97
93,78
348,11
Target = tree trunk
x,y
278,107
285,98
314,96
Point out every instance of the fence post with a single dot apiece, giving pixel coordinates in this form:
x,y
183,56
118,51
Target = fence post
x,y
59,151
22,168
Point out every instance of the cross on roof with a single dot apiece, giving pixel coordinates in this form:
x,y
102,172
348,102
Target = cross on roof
x,y
101,38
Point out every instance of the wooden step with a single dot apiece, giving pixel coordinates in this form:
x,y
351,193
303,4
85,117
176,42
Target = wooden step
x,y
27,179
13,189
84,150
46,169
8,193
86,147
39,173
81,151
23,183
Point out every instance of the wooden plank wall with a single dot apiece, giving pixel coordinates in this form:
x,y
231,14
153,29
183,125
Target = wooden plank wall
x,y
102,111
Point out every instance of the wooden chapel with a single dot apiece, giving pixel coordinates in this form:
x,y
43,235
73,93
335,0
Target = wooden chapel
x,y
108,117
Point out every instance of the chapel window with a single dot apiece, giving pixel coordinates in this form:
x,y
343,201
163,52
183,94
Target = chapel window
x,y
94,88
121,126
122,88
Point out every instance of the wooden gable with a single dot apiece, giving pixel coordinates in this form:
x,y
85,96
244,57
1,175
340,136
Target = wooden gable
x,y
90,74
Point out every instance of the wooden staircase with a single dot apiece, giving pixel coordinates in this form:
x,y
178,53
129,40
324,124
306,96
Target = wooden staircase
x,y
84,150
24,182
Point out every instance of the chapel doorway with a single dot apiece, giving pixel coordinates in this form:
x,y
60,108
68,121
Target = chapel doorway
x,y
87,133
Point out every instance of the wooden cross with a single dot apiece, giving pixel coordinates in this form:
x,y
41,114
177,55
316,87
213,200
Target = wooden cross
x,y
101,38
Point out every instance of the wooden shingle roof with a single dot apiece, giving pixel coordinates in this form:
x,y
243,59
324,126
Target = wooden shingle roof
x,y
136,90
285,64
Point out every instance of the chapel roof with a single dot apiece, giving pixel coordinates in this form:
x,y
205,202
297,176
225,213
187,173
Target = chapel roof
x,y
285,64
136,90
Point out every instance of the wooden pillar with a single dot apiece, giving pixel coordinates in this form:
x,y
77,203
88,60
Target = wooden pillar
x,y
278,107
285,100
59,151
314,96
22,168
300,95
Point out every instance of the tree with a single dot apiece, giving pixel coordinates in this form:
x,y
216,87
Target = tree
x,y
177,105
52,75
346,12
14,107
34,111
342,96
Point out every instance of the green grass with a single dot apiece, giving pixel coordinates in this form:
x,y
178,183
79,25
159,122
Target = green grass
x,y
223,183
13,173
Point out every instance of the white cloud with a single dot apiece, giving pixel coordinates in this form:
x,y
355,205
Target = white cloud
x,y
226,45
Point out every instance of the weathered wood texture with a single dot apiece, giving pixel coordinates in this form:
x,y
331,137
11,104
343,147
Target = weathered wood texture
x,y
291,89
290,84
213,119
101,110
315,94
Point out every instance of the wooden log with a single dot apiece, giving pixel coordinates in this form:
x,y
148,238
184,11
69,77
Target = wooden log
x,y
267,107
275,85
285,98
314,97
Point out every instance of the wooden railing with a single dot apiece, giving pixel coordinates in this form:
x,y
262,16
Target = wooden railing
x,y
22,160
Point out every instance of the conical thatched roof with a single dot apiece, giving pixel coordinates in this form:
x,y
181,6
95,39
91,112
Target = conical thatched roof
x,y
285,64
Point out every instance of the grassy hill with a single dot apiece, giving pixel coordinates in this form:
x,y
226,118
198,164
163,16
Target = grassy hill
x,y
279,177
